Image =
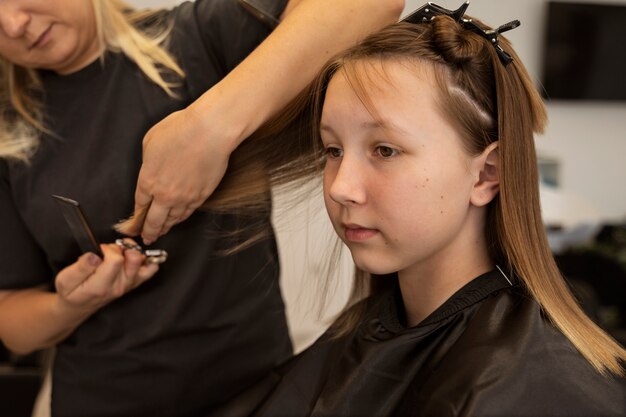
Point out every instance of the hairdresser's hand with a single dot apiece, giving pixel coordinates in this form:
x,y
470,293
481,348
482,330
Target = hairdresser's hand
x,y
91,282
185,157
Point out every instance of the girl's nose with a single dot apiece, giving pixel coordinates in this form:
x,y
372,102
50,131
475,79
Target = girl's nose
x,y
345,185
13,21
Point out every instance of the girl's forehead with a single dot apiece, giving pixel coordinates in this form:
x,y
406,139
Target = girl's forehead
x,y
376,82
375,79
401,97
381,73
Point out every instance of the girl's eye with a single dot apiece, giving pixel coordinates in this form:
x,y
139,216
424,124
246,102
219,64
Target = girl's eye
x,y
386,151
333,152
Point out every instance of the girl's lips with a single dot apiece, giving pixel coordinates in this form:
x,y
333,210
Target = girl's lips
x,y
358,233
42,39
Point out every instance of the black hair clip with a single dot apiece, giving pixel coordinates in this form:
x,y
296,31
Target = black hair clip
x,y
429,11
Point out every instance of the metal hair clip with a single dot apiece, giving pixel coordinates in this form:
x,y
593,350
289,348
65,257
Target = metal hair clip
x,y
153,256
429,11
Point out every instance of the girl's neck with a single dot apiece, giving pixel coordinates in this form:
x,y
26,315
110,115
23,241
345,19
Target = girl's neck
x,y
425,287
424,294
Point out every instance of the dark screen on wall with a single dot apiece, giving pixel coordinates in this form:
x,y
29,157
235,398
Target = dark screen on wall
x,y
585,52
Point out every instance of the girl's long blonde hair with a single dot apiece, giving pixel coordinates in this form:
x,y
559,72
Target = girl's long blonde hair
x,y
21,113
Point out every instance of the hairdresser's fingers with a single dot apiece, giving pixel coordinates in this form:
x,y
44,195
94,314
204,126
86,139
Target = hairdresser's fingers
x,y
136,269
75,274
185,156
104,283
177,212
155,219
175,216
169,224
99,287
133,260
188,212
166,228
143,197
145,272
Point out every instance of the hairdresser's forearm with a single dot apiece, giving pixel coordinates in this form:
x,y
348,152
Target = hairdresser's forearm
x,y
311,32
34,319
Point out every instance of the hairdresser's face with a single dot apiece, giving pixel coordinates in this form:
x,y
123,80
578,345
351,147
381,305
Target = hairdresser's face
x,y
59,35
397,186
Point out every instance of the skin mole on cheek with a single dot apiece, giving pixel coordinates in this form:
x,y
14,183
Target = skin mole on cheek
x,y
424,183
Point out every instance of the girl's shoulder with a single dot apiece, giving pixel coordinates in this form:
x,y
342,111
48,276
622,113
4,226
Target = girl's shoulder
x,y
510,360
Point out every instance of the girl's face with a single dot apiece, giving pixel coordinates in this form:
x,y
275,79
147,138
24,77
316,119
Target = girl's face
x,y
59,35
398,185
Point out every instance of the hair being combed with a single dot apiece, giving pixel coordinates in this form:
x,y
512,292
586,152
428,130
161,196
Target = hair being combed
x,y
21,113
485,101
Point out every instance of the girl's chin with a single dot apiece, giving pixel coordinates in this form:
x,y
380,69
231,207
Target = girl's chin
x,y
373,269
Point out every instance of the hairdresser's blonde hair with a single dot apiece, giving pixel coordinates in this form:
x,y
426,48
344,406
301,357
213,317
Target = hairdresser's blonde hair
x,y
21,115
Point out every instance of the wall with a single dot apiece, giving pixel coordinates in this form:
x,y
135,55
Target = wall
x,y
588,139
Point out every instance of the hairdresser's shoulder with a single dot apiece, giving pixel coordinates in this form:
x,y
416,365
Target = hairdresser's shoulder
x,y
267,12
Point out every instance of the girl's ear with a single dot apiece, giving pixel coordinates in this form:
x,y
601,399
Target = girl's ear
x,y
488,183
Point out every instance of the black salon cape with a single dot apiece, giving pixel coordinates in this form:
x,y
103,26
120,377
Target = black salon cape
x,y
487,352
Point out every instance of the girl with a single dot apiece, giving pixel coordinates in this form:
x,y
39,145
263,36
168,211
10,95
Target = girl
x,y
81,82
430,179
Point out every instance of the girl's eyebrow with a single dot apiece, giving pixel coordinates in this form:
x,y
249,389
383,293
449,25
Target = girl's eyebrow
x,y
370,125
383,124
326,128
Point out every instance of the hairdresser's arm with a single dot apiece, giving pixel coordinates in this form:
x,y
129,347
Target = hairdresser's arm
x,y
34,318
186,154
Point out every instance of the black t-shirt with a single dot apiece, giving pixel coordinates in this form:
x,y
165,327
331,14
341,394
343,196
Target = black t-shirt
x,y
206,326
488,351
